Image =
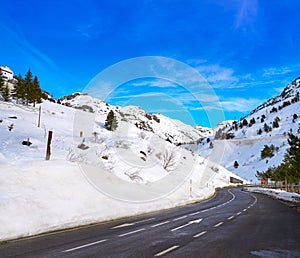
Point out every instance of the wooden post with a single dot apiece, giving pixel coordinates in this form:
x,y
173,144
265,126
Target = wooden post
x,y
39,120
81,134
48,152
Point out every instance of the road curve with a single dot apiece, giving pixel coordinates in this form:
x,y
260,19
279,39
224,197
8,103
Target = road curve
x,y
232,224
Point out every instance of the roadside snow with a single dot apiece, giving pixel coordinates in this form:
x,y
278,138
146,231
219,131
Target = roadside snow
x,y
39,196
276,193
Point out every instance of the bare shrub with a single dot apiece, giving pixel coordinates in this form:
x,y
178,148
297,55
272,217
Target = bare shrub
x,y
169,160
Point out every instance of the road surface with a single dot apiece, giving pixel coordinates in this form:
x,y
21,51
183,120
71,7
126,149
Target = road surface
x,y
234,223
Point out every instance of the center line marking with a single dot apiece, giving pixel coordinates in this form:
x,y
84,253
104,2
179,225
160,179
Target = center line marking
x,y
131,232
159,224
219,224
244,209
200,234
231,217
238,213
83,246
167,250
183,217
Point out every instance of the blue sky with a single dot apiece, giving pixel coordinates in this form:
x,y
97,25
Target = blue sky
x,y
247,50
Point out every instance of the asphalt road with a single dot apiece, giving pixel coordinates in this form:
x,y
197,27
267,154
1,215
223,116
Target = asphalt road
x,y
232,224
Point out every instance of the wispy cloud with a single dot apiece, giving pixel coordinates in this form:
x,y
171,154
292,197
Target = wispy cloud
x,y
153,83
247,11
217,75
240,104
275,71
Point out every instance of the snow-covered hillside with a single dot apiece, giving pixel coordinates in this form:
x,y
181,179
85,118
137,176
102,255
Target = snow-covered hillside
x,y
168,129
240,143
93,174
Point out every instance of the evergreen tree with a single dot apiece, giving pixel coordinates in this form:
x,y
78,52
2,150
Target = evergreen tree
x,y
36,92
28,86
1,82
4,90
18,91
292,159
245,122
111,122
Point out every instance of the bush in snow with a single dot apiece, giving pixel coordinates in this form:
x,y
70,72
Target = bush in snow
x,y
268,151
259,132
273,110
235,164
111,122
295,116
169,160
267,128
276,122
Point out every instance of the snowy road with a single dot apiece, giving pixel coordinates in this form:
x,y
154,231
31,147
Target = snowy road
x,y
232,224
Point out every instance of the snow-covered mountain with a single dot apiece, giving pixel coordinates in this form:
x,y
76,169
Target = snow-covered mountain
x,y
168,129
237,145
94,174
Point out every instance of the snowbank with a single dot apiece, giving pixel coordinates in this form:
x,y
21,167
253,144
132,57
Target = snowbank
x,y
52,195
276,193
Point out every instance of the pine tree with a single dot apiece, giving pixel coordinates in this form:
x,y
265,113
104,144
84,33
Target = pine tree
x,y
18,91
4,90
292,159
1,82
111,122
28,86
36,92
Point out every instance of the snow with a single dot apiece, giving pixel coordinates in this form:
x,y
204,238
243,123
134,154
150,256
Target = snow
x,y
126,172
276,193
120,174
247,144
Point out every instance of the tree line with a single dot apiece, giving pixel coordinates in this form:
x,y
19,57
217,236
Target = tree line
x,y
289,170
25,90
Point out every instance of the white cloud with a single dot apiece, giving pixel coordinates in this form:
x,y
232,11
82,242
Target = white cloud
x,y
218,76
154,83
273,71
240,104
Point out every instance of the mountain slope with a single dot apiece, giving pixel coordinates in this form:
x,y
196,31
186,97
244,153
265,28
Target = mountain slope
x,y
168,129
268,125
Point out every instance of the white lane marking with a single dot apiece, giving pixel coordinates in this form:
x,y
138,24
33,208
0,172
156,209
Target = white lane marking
x,y
214,207
83,246
167,250
123,225
239,213
132,223
195,213
183,217
144,220
244,209
159,224
200,234
219,224
230,217
187,224
131,232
